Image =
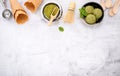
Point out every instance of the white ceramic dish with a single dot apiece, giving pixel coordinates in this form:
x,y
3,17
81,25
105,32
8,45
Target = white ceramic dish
x,y
59,6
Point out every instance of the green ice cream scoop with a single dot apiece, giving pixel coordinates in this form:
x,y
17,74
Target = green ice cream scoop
x,y
90,19
98,13
89,9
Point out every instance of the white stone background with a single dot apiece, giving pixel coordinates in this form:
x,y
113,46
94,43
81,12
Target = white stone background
x,y
34,49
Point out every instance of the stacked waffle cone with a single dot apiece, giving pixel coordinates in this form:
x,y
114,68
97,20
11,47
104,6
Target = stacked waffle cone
x,y
109,4
33,5
114,10
18,12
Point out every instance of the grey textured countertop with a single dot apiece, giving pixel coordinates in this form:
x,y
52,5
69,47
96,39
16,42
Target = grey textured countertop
x,y
34,49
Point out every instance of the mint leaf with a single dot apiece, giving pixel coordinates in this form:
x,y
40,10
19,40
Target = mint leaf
x,y
61,29
81,16
83,13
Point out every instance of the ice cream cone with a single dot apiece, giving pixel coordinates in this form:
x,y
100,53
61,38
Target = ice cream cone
x,y
18,12
33,5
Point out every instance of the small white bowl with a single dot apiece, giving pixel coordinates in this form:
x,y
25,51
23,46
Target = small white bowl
x,y
59,6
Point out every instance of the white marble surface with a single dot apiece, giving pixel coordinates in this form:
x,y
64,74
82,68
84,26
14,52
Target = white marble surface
x,y
34,49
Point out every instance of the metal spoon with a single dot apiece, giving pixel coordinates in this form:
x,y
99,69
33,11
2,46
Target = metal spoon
x,y
7,14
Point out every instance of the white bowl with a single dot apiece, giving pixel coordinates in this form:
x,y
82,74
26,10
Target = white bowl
x,y
59,6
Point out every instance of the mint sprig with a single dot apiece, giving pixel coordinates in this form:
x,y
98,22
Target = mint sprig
x,y
83,13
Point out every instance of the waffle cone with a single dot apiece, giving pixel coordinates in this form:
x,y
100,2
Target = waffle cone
x,y
18,12
33,5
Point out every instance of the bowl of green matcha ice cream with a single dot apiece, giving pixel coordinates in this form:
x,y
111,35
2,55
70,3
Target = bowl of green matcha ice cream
x,y
92,13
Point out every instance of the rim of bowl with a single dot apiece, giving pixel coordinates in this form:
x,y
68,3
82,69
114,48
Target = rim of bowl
x,y
99,6
52,2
